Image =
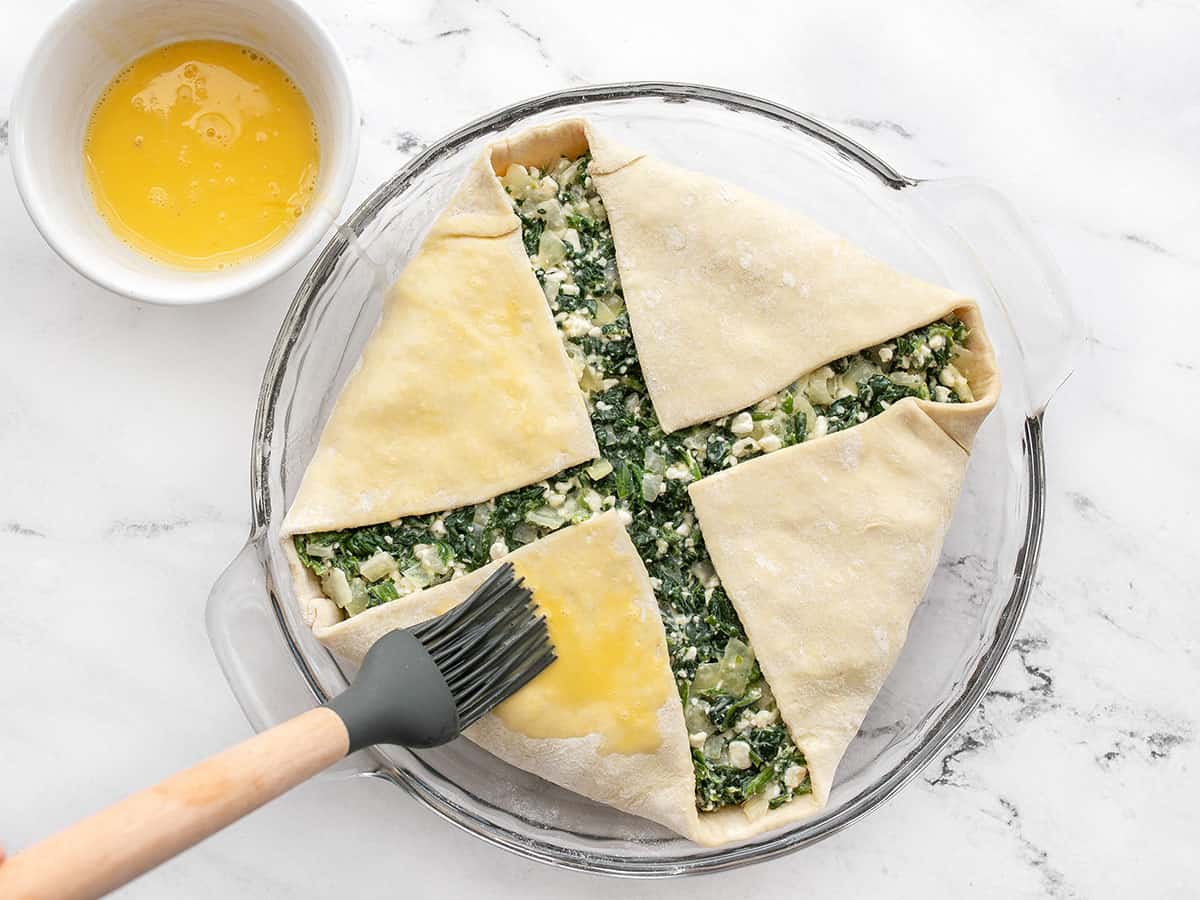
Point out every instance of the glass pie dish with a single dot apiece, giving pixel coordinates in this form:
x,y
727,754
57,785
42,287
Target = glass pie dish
x,y
955,232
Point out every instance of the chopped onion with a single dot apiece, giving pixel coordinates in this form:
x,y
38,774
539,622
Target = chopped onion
x,y
736,666
337,587
601,468
524,533
377,566
714,747
545,516
551,251
695,717
758,805
652,484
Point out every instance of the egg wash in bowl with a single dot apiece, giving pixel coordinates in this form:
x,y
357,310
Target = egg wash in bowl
x,y
202,154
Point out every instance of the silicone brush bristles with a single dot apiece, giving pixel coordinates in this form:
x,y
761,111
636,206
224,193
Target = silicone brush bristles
x,y
490,646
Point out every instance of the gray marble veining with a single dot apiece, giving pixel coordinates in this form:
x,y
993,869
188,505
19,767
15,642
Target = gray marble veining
x,y
124,432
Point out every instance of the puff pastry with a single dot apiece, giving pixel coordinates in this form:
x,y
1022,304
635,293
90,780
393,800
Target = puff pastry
x,y
504,410
824,546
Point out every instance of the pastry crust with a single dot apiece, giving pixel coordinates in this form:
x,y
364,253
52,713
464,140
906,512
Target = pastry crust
x,y
825,548
619,740
464,390
732,297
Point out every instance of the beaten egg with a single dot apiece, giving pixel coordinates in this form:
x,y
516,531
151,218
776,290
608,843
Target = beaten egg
x,y
202,154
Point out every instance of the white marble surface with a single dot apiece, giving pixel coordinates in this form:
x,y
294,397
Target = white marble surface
x,y
124,435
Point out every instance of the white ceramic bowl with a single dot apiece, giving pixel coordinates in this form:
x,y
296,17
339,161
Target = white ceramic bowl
x,y
88,44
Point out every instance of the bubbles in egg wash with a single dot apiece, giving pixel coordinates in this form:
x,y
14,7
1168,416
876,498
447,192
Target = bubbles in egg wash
x,y
223,111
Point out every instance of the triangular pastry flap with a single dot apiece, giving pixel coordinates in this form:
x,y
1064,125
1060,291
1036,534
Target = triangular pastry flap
x,y
463,392
543,145
825,549
962,420
732,297
605,719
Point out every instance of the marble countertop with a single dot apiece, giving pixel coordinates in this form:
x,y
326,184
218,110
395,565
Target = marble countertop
x,y
124,434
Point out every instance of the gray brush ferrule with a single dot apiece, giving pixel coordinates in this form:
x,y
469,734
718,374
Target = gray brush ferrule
x,y
399,697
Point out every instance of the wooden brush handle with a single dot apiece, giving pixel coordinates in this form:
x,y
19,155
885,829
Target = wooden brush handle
x,y
104,851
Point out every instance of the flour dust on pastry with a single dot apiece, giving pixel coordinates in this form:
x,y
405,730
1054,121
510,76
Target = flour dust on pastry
x,y
748,746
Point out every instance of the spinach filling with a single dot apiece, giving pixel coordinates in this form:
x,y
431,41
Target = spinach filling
x,y
741,750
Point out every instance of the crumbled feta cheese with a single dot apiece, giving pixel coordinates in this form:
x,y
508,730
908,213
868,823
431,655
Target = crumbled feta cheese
x,y
742,447
429,558
742,424
555,499
793,776
822,427
739,754
937,342
677,472
498,549
655,583
941,394
763,717
690,655
697,740
770,443
885,354
574,326
625,516
439,527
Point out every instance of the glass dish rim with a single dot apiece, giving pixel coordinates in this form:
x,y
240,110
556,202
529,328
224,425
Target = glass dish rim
x,y
718,859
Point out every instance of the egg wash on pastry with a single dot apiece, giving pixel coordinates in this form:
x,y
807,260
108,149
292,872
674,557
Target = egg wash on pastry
x,y
741,750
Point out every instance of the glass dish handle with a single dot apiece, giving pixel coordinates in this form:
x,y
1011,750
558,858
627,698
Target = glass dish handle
x,y
255,656
249,644
1026,280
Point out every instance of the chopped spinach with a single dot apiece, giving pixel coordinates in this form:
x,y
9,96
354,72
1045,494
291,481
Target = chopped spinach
x,y
744,751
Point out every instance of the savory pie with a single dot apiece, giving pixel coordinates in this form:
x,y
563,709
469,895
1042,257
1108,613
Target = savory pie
x,y
721,444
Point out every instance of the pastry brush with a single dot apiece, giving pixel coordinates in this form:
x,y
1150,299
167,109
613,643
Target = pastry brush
x,y
417,687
